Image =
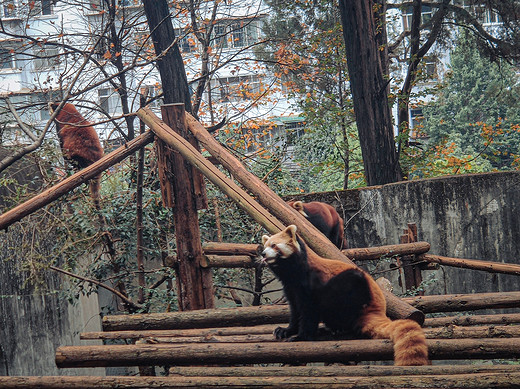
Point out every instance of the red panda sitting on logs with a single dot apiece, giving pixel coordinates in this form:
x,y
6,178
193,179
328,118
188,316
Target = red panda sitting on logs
x,y
325,218
342,296
79,142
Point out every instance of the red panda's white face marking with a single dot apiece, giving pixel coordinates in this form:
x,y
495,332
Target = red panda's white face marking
x,y
281,245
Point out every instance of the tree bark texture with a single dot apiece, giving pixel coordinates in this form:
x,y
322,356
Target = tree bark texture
x,y
275,352
68,184
338,370
228,261
369,92
474,264
268,314
264,314
265,334
469,320
465,302
362,253
195,285
169,61
462,381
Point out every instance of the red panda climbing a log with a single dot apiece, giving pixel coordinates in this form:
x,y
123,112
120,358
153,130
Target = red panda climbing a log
x,y
325,218
341,295
79,142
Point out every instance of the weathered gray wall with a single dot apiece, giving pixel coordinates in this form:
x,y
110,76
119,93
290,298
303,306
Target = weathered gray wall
x,y
470,216
35,320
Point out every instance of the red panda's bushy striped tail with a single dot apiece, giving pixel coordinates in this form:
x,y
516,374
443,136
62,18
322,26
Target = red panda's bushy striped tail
x,y
410,348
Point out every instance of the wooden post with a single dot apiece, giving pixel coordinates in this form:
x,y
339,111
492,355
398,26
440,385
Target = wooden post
x,y
195,286
412,272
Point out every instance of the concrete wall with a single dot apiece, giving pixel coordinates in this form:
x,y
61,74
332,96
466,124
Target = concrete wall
x,y
36,318
469,216
34,323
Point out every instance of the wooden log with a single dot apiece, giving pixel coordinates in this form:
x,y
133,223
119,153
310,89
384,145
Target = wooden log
x,y
236,249
228,261
461,381
275,352
314,238
69,183
203,318
202,332
469,320
267,314
489,266
265,334
367,253
465,302
456,332
338,370
219,248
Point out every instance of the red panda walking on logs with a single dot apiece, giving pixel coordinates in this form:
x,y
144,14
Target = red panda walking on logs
x,y
344,297
79,142
325,218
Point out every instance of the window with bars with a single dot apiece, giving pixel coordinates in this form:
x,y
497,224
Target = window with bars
x,y
237,88
235,34
7,58
46,57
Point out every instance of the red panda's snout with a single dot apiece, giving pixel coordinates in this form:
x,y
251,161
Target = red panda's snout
x,y
269,255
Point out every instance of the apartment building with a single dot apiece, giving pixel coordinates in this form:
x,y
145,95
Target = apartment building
x,y
46,44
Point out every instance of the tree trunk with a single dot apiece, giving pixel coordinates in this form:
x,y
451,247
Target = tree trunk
x,y
196,286
369,92
170,64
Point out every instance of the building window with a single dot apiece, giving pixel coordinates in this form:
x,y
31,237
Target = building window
x,y
7,59
426,15
294,131
8,9
186,42
492,17
220,39
416,123
46,7
235,34
238,88
40,102
46,58
109,100
41,8
152,92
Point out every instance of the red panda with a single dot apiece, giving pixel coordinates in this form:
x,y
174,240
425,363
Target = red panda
x,y
79,142
341,295
325,218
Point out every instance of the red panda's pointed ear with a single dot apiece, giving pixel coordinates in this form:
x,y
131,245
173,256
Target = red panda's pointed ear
x,y
298,205
265,238
291,231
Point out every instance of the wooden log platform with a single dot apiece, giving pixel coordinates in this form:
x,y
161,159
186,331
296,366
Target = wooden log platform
x,y
272,314
506,378
265,333
275,352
